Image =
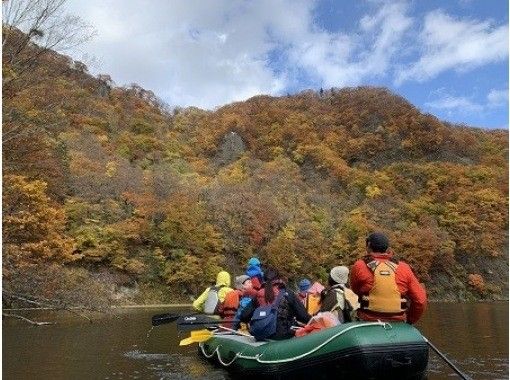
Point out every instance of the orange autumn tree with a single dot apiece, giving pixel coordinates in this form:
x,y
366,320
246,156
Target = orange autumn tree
x,y
33,226
161,199
190,244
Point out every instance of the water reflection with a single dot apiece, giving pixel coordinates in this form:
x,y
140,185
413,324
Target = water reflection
x,y
174,366
473,336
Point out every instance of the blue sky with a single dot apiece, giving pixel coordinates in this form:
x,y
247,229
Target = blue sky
x,y
449,58
476,93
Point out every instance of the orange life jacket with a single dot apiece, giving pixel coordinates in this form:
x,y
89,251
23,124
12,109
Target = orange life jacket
x,y
384,297
230,304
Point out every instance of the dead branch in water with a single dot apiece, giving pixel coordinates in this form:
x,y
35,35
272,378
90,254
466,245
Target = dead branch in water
x,y
48,304
35,323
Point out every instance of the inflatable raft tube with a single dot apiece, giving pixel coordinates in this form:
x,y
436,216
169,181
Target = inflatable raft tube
x,y
356,350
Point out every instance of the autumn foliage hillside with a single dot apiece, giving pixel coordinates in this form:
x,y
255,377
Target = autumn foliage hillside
x,y
105,188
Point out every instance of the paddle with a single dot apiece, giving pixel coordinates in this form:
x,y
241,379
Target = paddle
x,y
160,319
196,336
187,319
199,319
442,356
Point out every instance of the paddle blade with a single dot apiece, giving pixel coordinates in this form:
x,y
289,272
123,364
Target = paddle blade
x,y
197,337
160,319
190,322
186,342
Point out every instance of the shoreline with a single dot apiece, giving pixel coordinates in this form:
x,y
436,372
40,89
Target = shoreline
x,y
184,305
172,305
143,306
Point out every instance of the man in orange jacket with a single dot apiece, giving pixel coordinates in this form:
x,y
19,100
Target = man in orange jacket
x,y
388,290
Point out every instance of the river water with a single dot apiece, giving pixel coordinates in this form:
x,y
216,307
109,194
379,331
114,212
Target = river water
x,y
473,336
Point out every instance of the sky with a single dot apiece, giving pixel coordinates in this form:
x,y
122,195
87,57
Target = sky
x,y
448,58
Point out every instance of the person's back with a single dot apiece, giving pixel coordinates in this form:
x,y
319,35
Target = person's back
x,y
236,300
289,308
229,306
303,287
310,295
386,286
337,297
212,297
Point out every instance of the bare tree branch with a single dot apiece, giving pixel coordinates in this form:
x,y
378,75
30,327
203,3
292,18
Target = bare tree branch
x,y
47,303
31,28
27,320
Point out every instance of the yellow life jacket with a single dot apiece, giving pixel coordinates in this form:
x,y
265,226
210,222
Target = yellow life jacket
x,y
384,297
313,303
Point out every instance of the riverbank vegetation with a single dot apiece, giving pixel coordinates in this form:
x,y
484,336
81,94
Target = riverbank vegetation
x,y
110,197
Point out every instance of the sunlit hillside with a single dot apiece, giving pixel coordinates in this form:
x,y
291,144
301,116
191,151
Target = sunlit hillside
x,y
111,196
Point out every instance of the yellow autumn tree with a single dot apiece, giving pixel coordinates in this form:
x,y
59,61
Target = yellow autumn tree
x,y
33,227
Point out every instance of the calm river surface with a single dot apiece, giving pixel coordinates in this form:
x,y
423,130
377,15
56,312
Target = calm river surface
x,y
473,336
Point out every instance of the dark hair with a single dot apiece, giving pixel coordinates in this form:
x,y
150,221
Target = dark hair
x,y
331,282
271,275
378,242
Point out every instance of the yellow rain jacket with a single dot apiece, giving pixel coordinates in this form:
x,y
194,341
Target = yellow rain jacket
x,y
223,278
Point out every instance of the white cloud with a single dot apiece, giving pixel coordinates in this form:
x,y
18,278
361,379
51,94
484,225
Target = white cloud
x,y
446,102
452,103
497,98
448,43
211,52
202,53
208,53
341,59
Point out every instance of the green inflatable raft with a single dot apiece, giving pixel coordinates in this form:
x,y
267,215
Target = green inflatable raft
x,y
356,350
